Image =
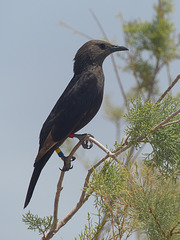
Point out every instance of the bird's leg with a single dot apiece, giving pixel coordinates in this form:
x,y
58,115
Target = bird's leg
x,y
82,138
67,161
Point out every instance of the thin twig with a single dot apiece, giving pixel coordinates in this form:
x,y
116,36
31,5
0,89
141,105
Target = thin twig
x,y
168,73
56,201
157,222
119,80
137,153
157,68
112,58
74,30
170,123
163,123
130,153
52,231
68,161
91,139
124,141
171,232
168,89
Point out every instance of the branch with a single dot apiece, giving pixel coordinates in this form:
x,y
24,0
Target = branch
x,y
91,139
84,195
56,201
82,200
157,68
119,80
171,232
112,58
164,122
74,30
169,88
168,73
53,230
170,123
160,125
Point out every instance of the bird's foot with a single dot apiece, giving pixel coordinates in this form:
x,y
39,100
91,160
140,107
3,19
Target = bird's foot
x,y
67,160
67,163
86,144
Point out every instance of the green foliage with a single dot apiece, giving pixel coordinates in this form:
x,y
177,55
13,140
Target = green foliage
x,y
153,45
133,200
90,228
165,142
42,225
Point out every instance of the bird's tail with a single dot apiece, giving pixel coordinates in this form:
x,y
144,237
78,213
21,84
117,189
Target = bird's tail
x,y
36,173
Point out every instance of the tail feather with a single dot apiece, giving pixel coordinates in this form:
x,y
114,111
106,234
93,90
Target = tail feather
x,y
35,176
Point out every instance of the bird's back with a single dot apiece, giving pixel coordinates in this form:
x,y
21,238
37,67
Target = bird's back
x,y
78,104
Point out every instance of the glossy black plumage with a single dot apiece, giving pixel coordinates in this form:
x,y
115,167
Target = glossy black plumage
x,y
78,104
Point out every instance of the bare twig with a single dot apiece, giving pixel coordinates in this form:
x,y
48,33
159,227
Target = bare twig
x,y
52,231
157,68
109,153
74,30
119,80
129,156
68,161
56,201
168,73
137,153
124,141
169,88
112,58
98,23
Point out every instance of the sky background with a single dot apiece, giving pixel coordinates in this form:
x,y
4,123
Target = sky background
x,y
36,63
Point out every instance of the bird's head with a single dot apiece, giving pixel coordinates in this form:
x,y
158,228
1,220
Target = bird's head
x,y
94,52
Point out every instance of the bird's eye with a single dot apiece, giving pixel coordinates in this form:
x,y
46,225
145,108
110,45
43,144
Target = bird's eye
x,y
102,46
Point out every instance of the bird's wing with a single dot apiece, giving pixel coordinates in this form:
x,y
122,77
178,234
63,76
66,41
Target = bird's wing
x,y
70,112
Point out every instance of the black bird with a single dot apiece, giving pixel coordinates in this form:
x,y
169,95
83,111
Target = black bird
x,y
78,104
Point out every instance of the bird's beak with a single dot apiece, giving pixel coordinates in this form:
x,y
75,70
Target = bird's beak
x,y
118,48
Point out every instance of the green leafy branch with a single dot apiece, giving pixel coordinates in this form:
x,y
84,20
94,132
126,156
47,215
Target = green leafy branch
x,y
42,225
136,199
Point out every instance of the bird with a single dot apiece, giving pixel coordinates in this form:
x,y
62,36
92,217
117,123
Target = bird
x,y
77,105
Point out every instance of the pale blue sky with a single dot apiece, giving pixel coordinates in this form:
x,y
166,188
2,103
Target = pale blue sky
x,y
36,64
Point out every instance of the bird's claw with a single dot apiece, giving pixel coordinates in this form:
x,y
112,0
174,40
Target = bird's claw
x,y
73,158
86,144
67,165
